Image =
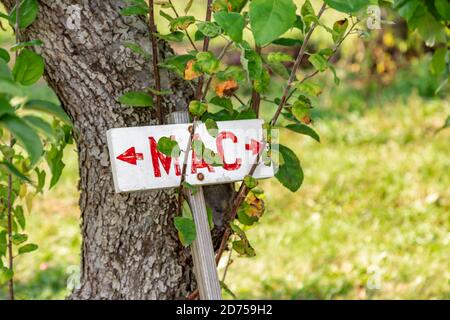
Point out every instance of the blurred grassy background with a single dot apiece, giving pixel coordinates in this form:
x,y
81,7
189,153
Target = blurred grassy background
x,y
372,220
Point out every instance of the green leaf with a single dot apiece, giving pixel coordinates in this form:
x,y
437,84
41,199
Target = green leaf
x,y
30,247
55,163
261,85
319,62
243,215
29,68
308,14
443,7
206,62
5,107
136,99
209,29
197,108
20,217
25,135
166,16
438,63
181,23
177,63
136,48
18,238
228,290
186,230
276,59
134,11
288,42
301,108
212,158
4,55
47,107
290,173
10,168
339,29
168,147
232,23
309,88
209,212
188,6
279,57
40,124
250,182
10,87
244,248
22,45
231,73
346,5
252,62
211,127
186,210
222,102
407,9
28,11
304,129
176,36
5,275
430,29
269,19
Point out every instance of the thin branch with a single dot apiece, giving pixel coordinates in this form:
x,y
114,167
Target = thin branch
x,y
185,31
239,99
297,63
335,49
157,77
205,48
224,276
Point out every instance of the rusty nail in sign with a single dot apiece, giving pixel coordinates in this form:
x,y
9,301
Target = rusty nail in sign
x,y
200,176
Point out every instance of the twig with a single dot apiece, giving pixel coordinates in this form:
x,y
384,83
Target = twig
x,y
227,266
239,99
335,49
156,75
205,48
10,180
185,31
297,63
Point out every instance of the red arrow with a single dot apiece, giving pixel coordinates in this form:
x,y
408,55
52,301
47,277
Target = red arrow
x,y
131,156
254,146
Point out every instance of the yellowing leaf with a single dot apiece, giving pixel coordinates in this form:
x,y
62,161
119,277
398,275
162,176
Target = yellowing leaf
x,y
189,73
226,88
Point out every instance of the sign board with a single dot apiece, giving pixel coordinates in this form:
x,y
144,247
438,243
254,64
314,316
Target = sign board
x,y
138,165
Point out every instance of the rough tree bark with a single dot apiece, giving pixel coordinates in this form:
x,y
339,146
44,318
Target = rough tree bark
x,y
130,248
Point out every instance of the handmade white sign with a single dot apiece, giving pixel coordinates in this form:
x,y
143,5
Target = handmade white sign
x,y
138,165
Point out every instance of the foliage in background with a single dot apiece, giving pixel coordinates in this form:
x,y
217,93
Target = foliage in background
x,y
31,130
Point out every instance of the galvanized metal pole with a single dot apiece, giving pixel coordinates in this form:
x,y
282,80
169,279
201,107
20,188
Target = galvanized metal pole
x,y
202,249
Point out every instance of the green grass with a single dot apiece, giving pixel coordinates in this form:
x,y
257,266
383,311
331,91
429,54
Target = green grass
x,y
371,220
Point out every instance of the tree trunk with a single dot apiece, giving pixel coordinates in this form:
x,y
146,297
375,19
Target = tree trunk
x,y
130,247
